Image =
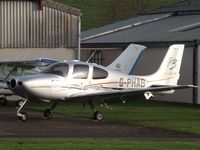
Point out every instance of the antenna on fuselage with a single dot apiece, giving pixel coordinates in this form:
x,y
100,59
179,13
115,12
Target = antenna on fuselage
x,y
91,56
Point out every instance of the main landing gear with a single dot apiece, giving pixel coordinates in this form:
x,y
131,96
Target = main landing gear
x,y
48,114
97,114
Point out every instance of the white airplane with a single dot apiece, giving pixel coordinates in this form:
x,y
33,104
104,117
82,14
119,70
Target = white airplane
x,y
65,81
15,69
10,69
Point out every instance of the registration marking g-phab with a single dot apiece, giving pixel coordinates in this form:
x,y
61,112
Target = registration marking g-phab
x,y
132,82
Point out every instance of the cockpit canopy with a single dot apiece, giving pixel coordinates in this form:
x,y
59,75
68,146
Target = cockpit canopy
x,y
80,71
60,69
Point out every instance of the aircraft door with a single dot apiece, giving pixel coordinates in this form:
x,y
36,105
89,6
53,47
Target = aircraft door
x,y
80,75
58,82
57,88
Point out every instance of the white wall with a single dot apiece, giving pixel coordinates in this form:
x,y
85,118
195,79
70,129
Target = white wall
x,y
198,75
11,54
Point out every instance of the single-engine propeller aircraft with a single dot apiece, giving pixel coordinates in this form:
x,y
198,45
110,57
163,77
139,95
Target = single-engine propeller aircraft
x,y
11,69
64,81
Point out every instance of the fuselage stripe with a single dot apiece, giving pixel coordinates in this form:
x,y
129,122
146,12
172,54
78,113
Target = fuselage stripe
x,y
160,80
101,83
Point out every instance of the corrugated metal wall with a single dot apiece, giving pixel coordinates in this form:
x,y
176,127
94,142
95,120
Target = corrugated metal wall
x,y
23,25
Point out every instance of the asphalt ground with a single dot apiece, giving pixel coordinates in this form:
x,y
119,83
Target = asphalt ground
x,y
76,127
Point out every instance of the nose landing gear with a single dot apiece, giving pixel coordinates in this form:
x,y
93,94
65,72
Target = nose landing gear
x,y
22,116
19,103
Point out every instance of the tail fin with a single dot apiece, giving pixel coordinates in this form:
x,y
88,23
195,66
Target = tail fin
x,y
169,71
128,59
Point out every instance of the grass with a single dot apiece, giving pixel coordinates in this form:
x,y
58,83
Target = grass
x,y
92,144
172,116
97,13
175,117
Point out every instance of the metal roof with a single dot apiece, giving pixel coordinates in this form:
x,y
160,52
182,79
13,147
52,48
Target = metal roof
x,y
121,24
61,7
182,6
163,27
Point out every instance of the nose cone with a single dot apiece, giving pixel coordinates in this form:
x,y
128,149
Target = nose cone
x,y
37,86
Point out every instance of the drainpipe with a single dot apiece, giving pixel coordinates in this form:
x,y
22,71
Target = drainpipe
x,y
41,4
195,73
79,39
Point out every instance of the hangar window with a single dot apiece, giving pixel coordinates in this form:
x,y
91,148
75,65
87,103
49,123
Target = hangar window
x,y
97,57
81,71
99,73
60,69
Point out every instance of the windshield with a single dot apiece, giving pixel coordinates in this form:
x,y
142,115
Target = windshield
x,y
60,69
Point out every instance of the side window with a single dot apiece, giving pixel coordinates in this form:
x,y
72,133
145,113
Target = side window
x,y
99,73
80,71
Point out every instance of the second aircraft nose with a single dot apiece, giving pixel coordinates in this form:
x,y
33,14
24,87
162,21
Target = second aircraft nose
x,y
13,83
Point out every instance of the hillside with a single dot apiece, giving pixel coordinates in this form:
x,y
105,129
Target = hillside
x,y
100,12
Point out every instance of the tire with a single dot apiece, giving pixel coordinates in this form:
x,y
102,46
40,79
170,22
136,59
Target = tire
x,y
98,116
23,117
3,101
48,114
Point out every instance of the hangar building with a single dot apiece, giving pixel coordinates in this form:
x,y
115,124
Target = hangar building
x,y
38,28
158,29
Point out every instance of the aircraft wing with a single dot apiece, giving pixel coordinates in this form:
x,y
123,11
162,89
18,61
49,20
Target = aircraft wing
x,y
109,92
6,92
39,62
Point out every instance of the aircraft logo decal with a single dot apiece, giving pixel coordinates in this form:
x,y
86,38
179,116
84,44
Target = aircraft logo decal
x,y
171,63
118,65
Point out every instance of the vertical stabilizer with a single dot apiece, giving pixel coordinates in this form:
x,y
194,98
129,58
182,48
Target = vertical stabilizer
x,y
169,70
128,59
